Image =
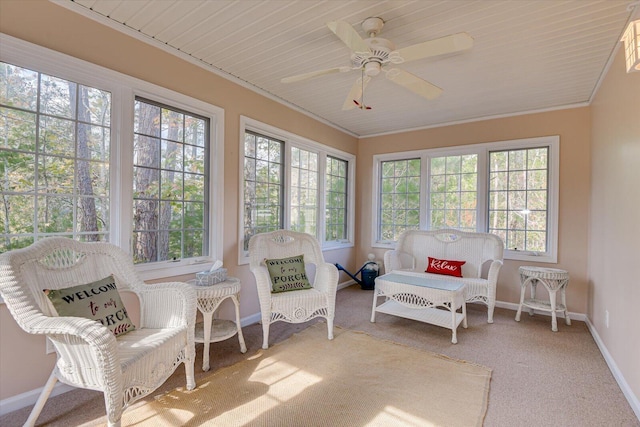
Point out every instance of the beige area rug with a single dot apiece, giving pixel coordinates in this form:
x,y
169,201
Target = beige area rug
x,y
307,380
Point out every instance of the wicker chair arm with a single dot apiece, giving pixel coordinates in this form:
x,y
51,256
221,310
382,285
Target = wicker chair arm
x,y
494,269
263,286
263,280
87,337
86,329
167,305
397,260
326,278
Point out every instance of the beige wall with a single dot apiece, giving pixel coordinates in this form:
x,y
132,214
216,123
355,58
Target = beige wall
x,y
572,125
614,257
46,24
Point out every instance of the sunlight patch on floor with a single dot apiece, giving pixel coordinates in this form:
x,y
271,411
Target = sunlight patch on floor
x,y
392,416
285,382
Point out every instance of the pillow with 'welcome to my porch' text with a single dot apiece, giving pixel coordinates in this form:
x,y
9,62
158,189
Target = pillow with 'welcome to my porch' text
x,y
287,274
99,301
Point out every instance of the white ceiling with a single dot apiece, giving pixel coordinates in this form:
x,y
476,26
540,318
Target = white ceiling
x,y
528,55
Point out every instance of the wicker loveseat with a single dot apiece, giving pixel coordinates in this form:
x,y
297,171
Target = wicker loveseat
x,y
482,253
125,368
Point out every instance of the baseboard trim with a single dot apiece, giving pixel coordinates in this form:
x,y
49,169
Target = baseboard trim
x,y
29,398
512,306
346,284
622,383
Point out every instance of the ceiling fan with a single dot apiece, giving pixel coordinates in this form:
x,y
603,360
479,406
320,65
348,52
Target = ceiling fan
x,y
375,54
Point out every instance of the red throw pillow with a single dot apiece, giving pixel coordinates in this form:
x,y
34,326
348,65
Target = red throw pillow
x,y
444,266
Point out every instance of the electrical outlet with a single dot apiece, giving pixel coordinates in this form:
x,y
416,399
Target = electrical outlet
x,y
606,318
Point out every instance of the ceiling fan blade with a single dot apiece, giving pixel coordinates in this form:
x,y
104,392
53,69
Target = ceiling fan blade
x,y
348,35
414,83
448,44
355,93
312,74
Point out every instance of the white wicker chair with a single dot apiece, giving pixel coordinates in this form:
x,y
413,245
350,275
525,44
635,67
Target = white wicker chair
x,y
89,356
294,306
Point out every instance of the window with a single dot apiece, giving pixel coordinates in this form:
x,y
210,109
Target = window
x,y
304,190
289,182
399,198
54,158
518,198
170,185
263,185
336,199
93,154
453,192
507,188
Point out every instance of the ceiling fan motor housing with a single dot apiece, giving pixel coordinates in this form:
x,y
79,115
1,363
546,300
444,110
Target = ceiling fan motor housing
x,y
379,55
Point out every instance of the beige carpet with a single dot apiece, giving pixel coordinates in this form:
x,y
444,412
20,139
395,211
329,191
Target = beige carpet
x,y
307,380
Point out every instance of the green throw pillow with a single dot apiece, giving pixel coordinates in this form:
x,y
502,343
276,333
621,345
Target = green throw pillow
x,y
287,274
98,301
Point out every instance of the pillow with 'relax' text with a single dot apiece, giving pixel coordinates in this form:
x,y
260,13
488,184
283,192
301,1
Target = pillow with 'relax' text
x,y
99,301
287,274
446,267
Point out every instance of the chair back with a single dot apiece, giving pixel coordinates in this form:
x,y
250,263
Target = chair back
x,y
474,248
56,263
284,244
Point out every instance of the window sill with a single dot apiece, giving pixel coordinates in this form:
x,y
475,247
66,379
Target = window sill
x,y
166,269
508,255
384,245
244,260
334,246
530,257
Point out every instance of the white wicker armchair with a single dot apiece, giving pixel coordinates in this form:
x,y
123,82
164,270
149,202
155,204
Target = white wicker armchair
x,y
294,306
89,356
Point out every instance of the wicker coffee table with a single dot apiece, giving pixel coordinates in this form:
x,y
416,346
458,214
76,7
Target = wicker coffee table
x,y
418,298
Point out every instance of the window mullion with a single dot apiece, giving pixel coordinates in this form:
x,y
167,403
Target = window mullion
x,y
321,223
121,170
482,192
425,192
285,209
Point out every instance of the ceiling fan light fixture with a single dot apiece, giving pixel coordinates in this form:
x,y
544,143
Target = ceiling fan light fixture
x,y
372,68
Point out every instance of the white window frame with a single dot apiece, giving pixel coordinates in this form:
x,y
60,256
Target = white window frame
x,y
292,140
124,89
349,197
482,150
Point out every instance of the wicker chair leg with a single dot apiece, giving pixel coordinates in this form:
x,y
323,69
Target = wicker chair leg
x,y
490,313
265,335
330,328
42,399
114,404
190,373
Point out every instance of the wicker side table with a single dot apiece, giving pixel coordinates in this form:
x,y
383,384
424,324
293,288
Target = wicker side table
x,y
213,330
554,280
